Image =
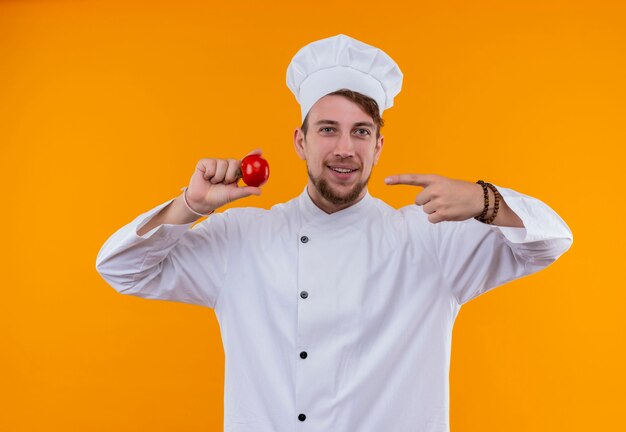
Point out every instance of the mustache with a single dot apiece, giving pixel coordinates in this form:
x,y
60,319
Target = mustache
x,y
343,162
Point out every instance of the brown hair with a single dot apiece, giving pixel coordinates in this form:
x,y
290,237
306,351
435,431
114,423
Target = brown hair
x,y
366,103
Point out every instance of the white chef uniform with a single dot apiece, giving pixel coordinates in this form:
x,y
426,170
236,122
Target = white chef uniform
x,y
335,322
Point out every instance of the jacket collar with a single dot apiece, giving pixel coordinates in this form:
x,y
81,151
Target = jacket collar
x,y
312,213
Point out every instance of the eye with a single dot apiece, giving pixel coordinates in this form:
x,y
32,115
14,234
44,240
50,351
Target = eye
x,y
363,132
326,129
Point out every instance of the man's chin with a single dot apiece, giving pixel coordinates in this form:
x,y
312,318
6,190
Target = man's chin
x,y
337,196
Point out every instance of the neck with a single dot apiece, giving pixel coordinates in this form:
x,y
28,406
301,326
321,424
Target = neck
x,y
328,206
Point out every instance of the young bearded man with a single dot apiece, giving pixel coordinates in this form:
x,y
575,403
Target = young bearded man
x,y
335,309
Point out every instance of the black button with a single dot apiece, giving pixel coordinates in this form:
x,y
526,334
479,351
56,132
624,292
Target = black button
x,y
304,294
303,354
302,417
304,239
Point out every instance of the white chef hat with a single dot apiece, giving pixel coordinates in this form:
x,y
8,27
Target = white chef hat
x,y
337,62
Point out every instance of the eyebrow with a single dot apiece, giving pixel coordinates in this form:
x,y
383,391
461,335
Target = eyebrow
x,y
336,123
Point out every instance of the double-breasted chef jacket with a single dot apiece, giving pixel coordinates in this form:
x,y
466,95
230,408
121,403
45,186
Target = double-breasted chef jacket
x,y
333,322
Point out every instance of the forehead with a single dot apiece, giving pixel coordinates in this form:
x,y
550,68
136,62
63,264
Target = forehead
x,y
338,108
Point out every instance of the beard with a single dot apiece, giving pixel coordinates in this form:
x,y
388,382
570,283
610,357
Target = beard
x,y
334,197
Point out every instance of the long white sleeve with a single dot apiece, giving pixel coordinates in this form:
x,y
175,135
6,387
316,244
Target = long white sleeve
x,y
476,257
170,262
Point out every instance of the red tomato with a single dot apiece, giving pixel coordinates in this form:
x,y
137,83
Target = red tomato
x,y
254,170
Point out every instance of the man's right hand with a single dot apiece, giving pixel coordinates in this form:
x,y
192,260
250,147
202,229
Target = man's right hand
x,y
214,184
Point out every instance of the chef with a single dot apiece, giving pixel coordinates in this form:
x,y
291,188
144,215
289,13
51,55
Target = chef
x,y
335,309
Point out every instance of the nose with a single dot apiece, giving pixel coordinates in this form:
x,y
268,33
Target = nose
x,y
344,147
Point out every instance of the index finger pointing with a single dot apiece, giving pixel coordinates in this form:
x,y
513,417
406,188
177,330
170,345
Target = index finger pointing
x,y
409,179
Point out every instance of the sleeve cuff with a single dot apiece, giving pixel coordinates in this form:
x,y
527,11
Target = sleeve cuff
x,y
540,221
163,230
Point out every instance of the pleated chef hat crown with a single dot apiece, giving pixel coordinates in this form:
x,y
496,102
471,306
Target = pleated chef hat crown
x,y
337,62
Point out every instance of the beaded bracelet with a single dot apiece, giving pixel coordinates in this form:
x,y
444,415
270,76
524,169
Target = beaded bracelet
x,y
496,205
184,189
497,196
481,217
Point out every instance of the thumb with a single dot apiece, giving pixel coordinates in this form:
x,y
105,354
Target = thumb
x,y
244,191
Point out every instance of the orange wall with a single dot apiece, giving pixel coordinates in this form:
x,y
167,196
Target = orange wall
x,y
105,107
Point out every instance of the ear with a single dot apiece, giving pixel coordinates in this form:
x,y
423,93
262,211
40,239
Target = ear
x,y
298,143
379,148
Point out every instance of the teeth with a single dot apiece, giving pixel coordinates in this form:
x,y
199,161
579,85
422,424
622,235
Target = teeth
x,y
342,170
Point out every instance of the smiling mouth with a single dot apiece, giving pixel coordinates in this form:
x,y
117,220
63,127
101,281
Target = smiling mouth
x,y
342,170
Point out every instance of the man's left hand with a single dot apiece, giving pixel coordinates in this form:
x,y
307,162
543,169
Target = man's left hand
x,y
442,198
